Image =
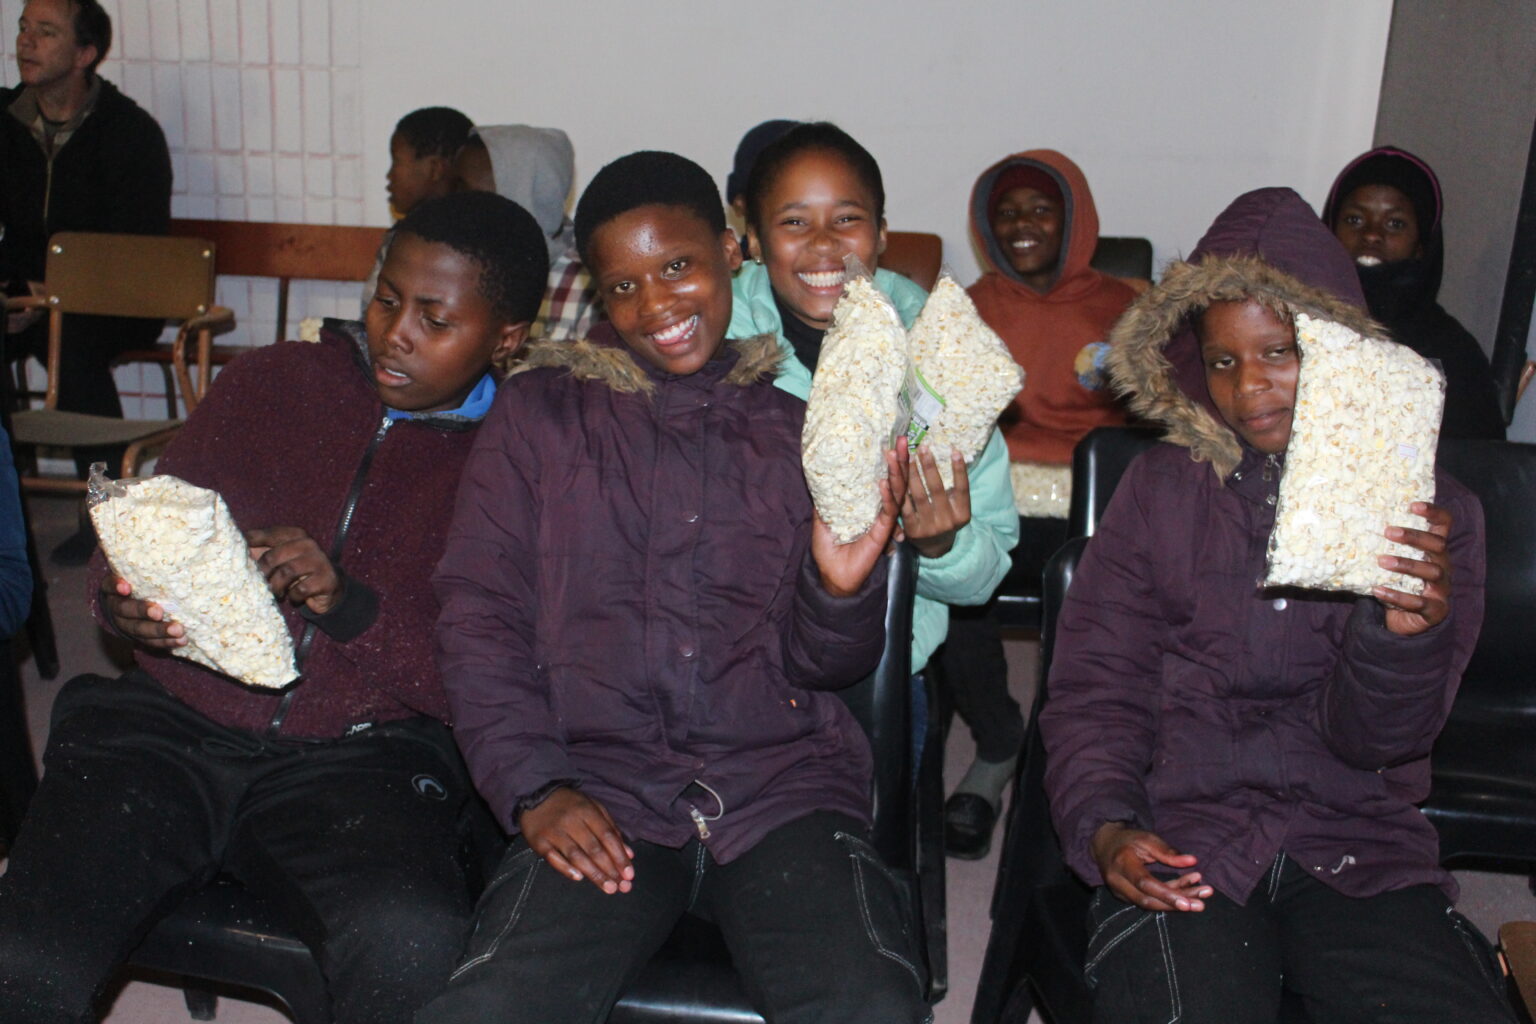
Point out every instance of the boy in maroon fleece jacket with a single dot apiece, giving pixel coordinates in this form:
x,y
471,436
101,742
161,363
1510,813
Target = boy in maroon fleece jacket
x,y
341,799
641,616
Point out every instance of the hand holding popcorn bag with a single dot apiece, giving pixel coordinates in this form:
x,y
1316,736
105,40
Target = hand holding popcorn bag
x,y
177,545
1362,450
856,409
963,376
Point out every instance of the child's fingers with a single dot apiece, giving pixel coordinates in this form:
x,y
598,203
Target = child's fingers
x,y
1438,517
1425,569
1427,541
555,859
1152,848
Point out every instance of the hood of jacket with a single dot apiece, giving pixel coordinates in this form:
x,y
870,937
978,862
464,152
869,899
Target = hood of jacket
x,y
605,358
1079,229
1397,291
534,167
1267,245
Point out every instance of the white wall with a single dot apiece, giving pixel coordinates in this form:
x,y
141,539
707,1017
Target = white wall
x,y
1171,109
282,109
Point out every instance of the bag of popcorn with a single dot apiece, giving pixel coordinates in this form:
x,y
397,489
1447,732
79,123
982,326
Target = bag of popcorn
x,y
855,411
963,376
1362,449
178,546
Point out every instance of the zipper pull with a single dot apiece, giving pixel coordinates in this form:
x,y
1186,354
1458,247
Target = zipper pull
x,y
699,822
1269,468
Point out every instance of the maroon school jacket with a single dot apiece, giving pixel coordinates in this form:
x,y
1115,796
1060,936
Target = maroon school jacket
x,y
629,602
1234,722
282,435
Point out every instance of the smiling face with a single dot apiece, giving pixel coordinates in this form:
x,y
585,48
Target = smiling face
x,y
665,278
46,50
816,211
1027,225
1251,366
431,333
1377,224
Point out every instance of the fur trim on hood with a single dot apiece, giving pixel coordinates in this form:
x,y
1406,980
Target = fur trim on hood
x,y
1155,357
757,359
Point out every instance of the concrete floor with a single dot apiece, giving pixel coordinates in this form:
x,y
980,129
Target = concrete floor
x,y
1489,899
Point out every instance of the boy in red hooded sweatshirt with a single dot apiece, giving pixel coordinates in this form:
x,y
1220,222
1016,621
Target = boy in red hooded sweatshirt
x,y
1034,222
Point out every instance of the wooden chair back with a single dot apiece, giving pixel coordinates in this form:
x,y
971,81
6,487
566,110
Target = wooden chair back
x,y
130,275
914,254
288,252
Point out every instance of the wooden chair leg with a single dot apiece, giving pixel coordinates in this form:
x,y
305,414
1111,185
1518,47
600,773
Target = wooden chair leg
x,y
1517,945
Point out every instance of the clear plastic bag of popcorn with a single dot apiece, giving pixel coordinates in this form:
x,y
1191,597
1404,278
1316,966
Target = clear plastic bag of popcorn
x,y
177,545
1362,450
963,376
856,408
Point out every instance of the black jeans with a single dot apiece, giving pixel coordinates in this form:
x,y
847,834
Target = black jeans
x,y
361,842
1403,956
973,668
814,922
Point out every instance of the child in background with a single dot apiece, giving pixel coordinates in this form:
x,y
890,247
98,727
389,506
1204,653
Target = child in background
x,y
640,613
534,167
1235,768
815,196
421,153
1034,222
747,150
341,801
1386,209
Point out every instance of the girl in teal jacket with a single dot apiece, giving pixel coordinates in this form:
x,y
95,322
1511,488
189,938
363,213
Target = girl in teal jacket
x,y
815,196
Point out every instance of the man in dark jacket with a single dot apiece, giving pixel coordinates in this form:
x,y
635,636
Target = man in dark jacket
x,y
1236,768
77,155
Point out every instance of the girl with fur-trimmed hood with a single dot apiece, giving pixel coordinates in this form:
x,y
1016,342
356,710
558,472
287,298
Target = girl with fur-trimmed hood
x,y
1235,769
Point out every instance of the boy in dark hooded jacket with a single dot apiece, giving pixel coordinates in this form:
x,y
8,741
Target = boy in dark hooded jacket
x,y
1235,768
1386,208
641,616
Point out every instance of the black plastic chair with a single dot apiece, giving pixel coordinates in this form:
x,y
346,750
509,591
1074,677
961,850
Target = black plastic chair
x,y
222,933
1097,462
1123,257
1483,800
1039,908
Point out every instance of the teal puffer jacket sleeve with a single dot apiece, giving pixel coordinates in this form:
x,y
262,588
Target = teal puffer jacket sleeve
x,y
971,570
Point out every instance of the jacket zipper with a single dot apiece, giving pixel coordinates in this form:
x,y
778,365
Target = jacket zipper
x,y
343,526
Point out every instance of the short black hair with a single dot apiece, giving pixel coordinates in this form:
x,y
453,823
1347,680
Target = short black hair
x,y
493,231
435,131
646,178
822,136
93,27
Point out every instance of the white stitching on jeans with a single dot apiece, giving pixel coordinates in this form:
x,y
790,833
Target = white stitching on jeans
x,y
1146,916
698,876
1170,969
1274,876
517,912
856,856
1108,920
